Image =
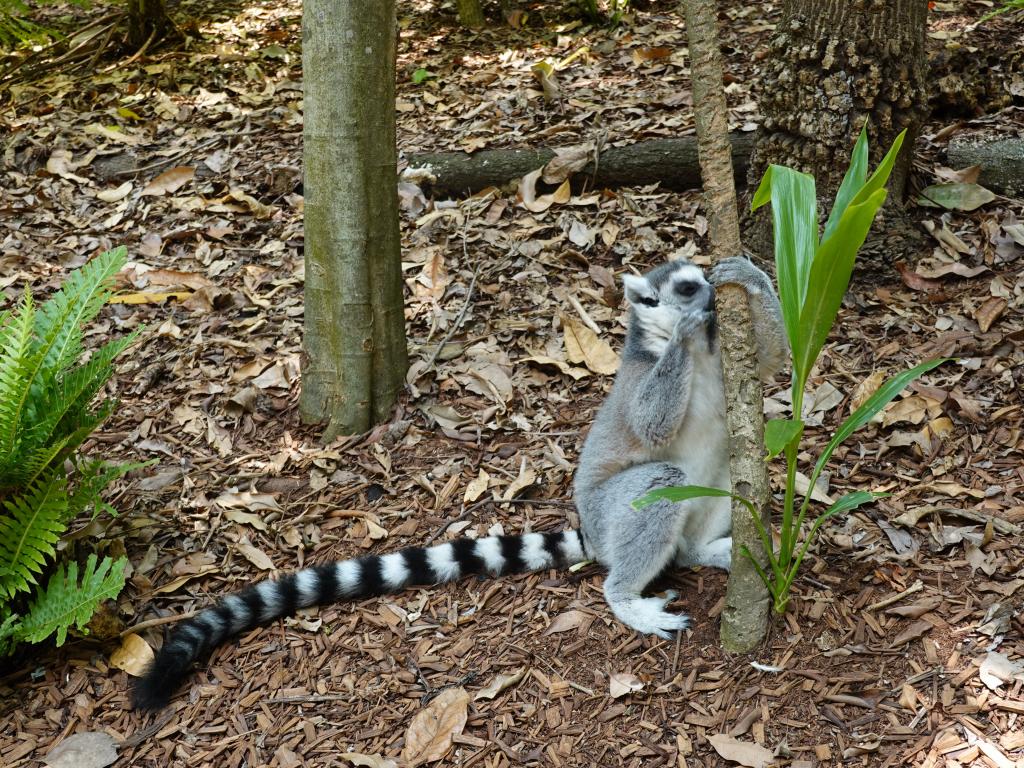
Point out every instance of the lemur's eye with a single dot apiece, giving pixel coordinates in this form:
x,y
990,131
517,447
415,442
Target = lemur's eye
x,y
687,288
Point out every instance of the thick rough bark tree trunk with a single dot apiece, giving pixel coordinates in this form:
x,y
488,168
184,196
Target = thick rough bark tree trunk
x,y
745,618
834,65
354,343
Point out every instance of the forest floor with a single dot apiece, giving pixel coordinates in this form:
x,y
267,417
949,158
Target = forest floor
x,y
902,645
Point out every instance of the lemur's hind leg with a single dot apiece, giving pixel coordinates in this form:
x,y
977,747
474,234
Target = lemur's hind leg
x,y
717,553
639,544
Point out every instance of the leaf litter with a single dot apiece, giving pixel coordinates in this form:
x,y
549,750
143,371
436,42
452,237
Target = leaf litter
x,y
487,437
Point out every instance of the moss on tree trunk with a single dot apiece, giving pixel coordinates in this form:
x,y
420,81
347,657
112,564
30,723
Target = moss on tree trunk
x,y
354,343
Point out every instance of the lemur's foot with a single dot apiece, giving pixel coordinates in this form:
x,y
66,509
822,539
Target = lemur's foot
x,y
647,615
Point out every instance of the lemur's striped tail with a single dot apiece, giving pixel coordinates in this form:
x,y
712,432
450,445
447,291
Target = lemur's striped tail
x,y
346,579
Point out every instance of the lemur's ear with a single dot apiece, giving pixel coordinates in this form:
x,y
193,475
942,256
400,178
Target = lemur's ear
x,y
639,291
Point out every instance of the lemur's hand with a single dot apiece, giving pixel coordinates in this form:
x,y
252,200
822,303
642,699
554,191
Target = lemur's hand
x,y
690,323
740,271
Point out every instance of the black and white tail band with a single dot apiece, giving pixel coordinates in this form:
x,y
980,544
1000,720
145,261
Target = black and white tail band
x,y
346,579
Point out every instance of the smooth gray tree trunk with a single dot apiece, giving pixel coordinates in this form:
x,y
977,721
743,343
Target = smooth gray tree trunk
x,y
354,343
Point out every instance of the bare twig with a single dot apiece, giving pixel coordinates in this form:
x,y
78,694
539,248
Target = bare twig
x,y
465,306
134,628
917,586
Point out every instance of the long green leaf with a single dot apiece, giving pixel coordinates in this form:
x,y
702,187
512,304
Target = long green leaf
x,y
677,493
880,177
846,503
881,398
853,182
778,433
795,225
829,277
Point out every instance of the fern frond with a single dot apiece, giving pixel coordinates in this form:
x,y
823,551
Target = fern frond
x,y
91,477
60,319
30,526
8,629
66,407
66,601
16,370
28,465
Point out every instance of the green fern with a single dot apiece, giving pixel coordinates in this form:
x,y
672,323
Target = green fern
x,y
29,531
16,367
48,406
66,601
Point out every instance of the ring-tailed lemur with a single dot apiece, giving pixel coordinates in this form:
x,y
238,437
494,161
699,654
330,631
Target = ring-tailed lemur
x,y
663,424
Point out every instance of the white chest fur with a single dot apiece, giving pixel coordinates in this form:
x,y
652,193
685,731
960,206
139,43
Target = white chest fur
x,y
701,447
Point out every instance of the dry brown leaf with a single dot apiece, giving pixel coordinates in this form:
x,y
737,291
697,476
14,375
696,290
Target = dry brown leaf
x,y
115,193
148,297
576,372
918,609
255,555
255,207
621,683
916,282
954,268
83,750
525,479
644,55
134,655
746,753
476,487
248,500
569,620
376,532
956,490
369,761
997,669
61,163
913,409
908,697
433,279
246,518
174,277
500,683
582,345
990,310
169,181
866,389
528,193
914,631
566,162
430,733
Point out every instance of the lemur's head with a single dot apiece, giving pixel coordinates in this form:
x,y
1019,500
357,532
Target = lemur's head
x,y
667,291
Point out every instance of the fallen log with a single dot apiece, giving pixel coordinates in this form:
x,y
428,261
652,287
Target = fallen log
x,y
1001,161
671,162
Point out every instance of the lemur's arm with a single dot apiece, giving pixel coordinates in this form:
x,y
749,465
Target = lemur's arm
x,y
659,401
765,310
